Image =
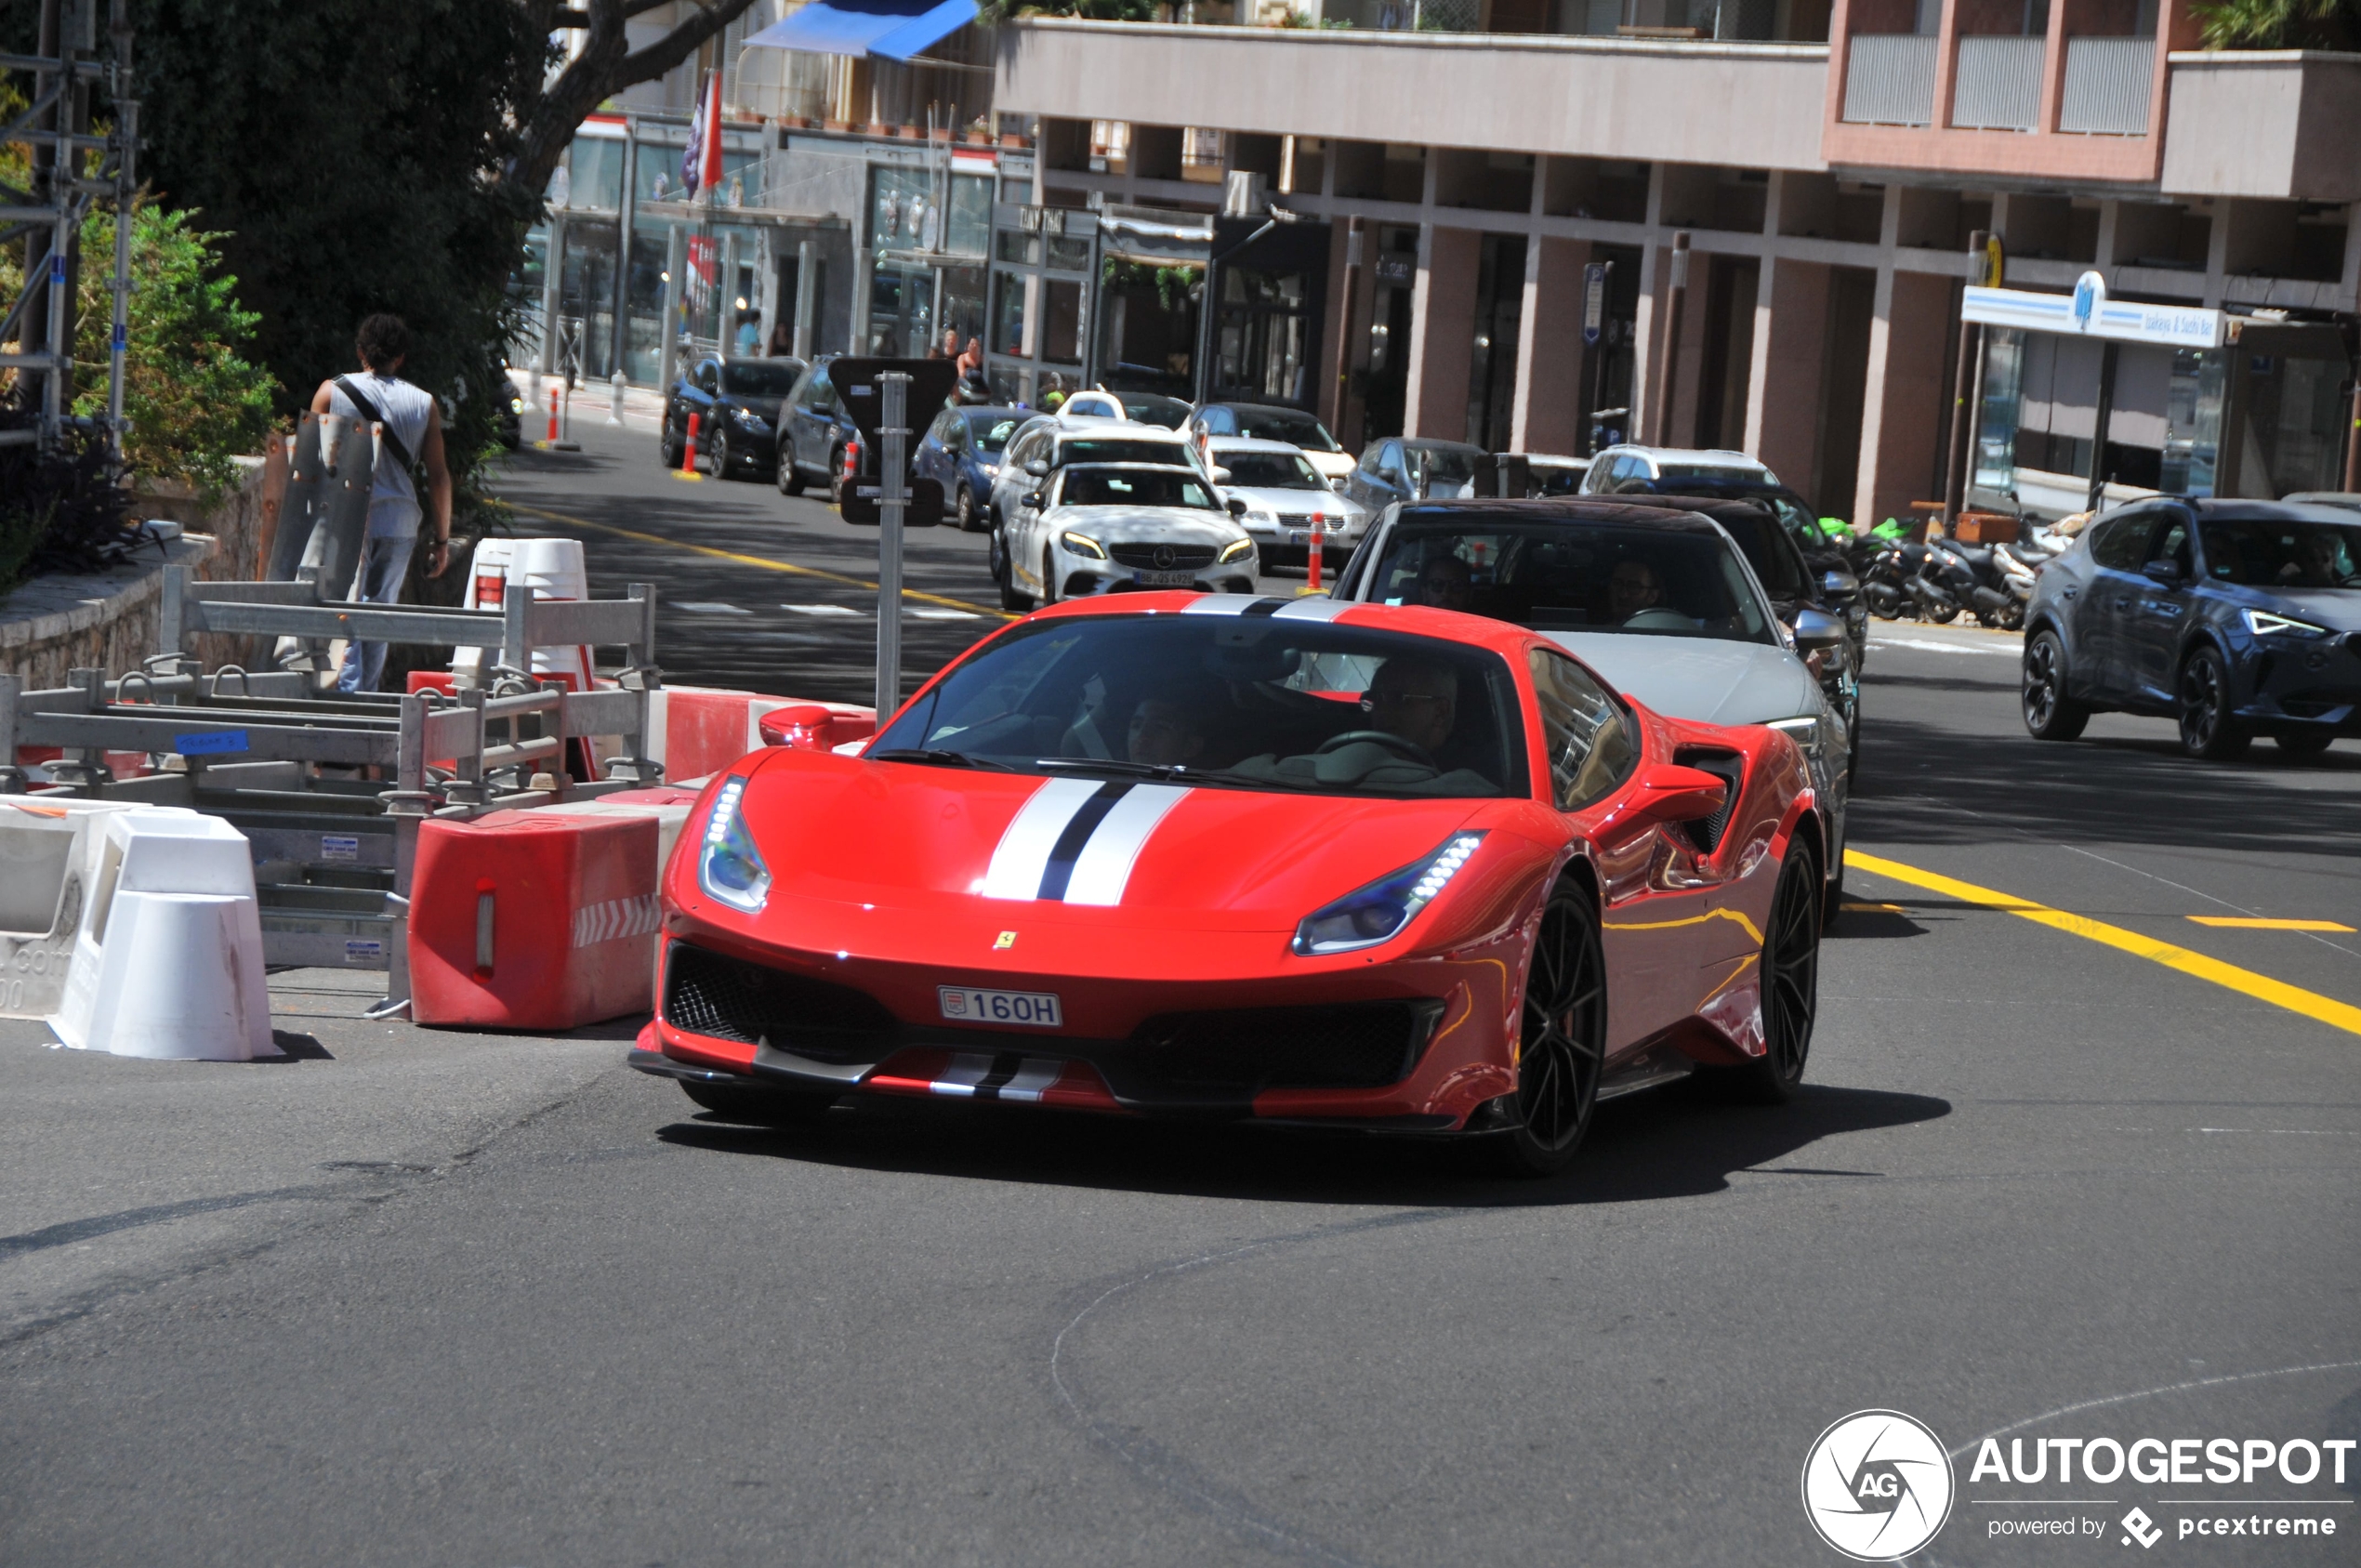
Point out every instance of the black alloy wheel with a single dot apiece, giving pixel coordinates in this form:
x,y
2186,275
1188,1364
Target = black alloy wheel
x,y
2208,730
790,477
1049,577
836,477
2303,744
1790,988
966,510
669,445
724,456
1562,1031
2049,714
759,1105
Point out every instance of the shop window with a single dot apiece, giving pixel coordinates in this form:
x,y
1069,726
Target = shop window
x,y
1061,322
597,174
970,225
1017,248
1996,461
1008,313
1070,255
2192,423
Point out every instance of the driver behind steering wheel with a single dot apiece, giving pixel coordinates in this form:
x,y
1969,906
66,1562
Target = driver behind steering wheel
x,y
1414,699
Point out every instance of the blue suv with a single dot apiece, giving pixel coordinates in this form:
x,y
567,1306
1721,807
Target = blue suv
x,y
2236,618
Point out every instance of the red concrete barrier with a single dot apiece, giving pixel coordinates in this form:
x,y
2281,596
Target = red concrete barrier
x,y
541,919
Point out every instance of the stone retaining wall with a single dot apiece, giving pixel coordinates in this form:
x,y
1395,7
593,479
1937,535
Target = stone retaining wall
x,y
108,620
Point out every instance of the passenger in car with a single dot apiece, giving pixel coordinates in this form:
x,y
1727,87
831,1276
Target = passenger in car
x,y
1164,732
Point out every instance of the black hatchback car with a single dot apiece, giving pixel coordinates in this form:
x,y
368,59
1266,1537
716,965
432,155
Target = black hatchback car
x,y
2237,618
736,402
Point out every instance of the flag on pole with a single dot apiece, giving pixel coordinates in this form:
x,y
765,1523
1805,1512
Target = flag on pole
x,y
701,161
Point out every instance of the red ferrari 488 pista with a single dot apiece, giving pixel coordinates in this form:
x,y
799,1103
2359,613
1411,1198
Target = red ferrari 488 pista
x,y
1210,855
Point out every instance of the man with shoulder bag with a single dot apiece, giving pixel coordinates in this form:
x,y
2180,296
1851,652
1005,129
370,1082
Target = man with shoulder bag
x,y
413,436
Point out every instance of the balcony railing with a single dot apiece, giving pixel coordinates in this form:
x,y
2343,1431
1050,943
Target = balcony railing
x,y
2108,84
1889,79
1999,85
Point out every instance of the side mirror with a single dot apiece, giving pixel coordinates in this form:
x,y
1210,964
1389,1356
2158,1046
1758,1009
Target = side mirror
x,y
2165,572
1817,631
1031,500
1221,476
1237,507
1038,468
1670,793
1840,585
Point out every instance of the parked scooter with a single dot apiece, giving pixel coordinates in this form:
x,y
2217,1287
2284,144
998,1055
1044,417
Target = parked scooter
x,y
1996,588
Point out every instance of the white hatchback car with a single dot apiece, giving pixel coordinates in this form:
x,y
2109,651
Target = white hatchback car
x,y
1287,499
1611,469
1097,528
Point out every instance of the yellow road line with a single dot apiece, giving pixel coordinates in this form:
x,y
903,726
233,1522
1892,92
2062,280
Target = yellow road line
x,y
763,562
2311,1003
2243,923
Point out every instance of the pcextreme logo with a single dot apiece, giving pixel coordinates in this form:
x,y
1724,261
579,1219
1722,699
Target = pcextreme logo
x,y
1877,1486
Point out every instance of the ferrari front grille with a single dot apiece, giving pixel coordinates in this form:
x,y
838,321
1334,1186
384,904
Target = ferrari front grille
x,y
705,993
1361,1045
1163,558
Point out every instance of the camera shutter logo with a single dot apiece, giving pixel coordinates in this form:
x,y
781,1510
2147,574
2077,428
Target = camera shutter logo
x,y
1878,1485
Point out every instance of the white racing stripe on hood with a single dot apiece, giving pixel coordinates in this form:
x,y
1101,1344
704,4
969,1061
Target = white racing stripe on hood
x,y
1313,607
1104,865
1024,853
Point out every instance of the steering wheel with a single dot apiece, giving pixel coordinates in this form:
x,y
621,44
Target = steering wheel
x,y
1409,751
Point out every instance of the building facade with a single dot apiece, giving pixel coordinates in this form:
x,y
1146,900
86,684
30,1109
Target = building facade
x,y
1491,215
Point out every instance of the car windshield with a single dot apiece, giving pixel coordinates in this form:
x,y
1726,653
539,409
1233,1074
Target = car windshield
x,y
760,378
1763,543
1287,425
1149,408
1573,576
1117,449
2271,553
1723,472
1134,487
992,431
1270,470
1445,467
1245,703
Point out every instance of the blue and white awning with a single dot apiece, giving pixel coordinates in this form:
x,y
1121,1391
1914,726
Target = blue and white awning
x,y
892,30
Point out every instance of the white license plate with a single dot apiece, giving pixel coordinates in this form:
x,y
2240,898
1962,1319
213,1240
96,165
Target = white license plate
x,y
1164,579
1038,1009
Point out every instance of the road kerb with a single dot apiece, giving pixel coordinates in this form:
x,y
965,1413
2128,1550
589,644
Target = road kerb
x,y
2311,1003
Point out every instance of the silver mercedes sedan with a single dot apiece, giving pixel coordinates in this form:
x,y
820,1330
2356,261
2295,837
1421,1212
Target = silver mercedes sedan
x,y
1660,604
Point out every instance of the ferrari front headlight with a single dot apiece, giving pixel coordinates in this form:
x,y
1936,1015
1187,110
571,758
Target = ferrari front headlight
x,y
1082,544
1238,550
1379,912
728,867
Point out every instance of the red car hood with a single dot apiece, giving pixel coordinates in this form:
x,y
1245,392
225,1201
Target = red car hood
x,y
1082,850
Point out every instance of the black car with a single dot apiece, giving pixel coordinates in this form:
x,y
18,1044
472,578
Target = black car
x,y
1792,586
814,432
2237,618
736,402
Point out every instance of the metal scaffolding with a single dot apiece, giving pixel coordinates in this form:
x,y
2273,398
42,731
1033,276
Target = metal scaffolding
x,y
72,171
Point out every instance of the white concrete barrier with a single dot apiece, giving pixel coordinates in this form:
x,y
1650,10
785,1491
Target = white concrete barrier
x,y
48,854
167,961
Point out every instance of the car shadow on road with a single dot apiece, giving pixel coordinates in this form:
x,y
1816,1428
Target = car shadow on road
x,y
1674,1142
1924,784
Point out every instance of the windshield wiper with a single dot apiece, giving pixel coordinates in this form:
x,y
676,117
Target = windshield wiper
x,y
940,757
1176,773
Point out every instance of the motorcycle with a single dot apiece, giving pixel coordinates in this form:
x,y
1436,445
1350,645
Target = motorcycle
x,y
1984,579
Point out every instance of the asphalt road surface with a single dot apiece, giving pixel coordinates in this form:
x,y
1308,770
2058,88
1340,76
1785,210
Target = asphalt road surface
x,y
2070,1165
